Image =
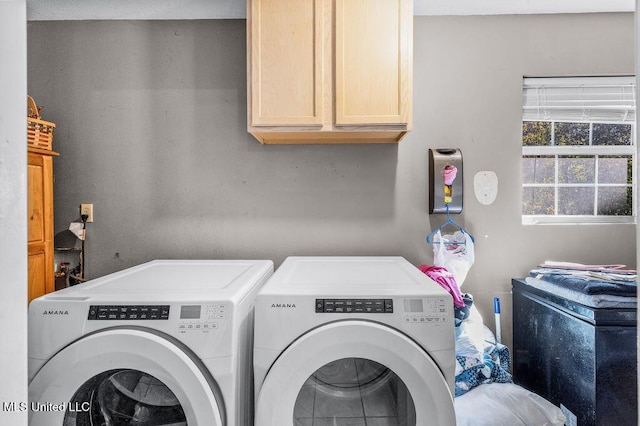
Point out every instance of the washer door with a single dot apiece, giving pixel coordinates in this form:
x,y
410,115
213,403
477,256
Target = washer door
x,y
354,373
124,376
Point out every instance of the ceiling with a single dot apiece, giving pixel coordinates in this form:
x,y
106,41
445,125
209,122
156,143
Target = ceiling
x,y
52,10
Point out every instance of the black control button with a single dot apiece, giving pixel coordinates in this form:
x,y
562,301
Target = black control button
x,y
164,312
103,312
144,312
154,312
388,306
112,312
319,305
93,312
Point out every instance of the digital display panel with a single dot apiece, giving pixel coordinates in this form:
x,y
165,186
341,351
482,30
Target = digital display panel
x,y
413,305
190,311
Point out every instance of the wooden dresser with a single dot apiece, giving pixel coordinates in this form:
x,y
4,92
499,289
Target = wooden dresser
x,y
40,221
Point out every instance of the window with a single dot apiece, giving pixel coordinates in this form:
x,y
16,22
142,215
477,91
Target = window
x,y
578,150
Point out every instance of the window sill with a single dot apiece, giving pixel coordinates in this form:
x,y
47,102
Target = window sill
x,y
577,220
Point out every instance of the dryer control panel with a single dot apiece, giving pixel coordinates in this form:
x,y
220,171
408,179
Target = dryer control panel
x,y
202,318
128,312
354,306
187,318
427,310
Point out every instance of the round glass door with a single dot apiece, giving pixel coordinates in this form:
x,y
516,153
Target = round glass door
x,y
354,392
124,397
120,376
356,373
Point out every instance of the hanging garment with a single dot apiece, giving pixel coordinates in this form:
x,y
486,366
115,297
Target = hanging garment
x,y
455,252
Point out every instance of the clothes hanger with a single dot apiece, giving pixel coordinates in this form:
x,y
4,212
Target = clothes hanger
x,y
441,227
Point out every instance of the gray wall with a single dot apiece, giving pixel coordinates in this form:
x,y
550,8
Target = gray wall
x,y
151,127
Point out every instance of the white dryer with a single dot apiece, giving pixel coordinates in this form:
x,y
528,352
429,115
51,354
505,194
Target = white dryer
x,y
164,343
353,341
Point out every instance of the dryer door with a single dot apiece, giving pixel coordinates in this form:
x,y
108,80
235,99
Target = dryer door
x,y
124,376
354,373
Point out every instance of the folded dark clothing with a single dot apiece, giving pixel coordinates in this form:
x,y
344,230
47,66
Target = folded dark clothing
x,y
588,285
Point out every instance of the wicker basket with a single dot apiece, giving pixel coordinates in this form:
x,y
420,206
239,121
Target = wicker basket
x,y
39,132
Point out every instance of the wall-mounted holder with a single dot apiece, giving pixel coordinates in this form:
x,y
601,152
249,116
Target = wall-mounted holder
x,y
441,194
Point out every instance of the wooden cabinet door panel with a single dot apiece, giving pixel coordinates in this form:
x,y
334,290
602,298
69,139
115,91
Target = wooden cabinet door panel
x,y
286,63
35,199
37,264
373,57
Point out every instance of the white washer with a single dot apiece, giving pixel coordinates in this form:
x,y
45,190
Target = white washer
x,y
353,340
165,342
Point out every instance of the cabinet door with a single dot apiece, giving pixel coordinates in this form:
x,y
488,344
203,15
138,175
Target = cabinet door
x,y
285,48
40,225
373,59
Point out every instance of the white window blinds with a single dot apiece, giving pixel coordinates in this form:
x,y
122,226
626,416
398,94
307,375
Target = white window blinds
x,y
580,99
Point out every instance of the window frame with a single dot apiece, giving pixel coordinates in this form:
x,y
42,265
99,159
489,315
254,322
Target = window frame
x,y
587,151
590,150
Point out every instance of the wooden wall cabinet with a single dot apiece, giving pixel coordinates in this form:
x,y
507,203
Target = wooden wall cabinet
x,y
40,222
329,71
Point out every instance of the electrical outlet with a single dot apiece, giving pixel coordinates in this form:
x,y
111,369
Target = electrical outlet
x,y
87,209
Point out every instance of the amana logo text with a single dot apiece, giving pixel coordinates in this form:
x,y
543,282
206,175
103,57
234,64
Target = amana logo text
x,y
55,313
283,305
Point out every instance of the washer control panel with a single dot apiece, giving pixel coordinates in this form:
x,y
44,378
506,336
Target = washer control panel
x,y
128,312
425,311
354,306
201,318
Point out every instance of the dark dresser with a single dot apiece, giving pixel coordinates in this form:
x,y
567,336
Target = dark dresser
x,y
580,358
